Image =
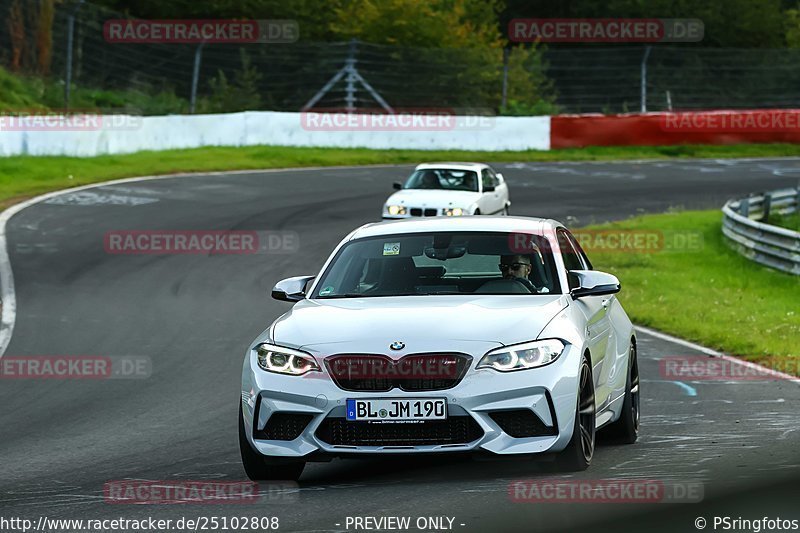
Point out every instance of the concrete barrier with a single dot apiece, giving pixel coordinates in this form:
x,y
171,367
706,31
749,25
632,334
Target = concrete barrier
x,y
126,134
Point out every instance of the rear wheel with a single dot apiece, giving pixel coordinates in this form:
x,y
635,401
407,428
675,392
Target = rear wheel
x,y
626,429
477,212
257,467
505,211
580,450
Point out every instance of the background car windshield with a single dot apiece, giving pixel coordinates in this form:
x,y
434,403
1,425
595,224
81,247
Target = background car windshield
x,y
437,263
447,179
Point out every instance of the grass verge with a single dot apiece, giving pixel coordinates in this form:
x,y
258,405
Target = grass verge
x,y
710,295
791,221
25,176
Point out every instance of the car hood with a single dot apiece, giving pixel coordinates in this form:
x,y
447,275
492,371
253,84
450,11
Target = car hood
x,y
423,323
433,198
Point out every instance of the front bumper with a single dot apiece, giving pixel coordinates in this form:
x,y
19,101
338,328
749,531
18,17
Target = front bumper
x,y
550,392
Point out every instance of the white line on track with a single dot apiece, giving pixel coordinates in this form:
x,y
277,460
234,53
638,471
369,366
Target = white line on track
x,y
714,353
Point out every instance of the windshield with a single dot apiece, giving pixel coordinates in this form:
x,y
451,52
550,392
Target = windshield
x,y
446,179
439,263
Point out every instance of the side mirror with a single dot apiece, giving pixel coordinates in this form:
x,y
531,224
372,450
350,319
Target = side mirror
x,y
397,185
499,176
291,289
592,283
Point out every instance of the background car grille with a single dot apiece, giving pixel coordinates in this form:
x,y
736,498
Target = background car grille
x,y
522,423
417,212
413,373
284,426
454,430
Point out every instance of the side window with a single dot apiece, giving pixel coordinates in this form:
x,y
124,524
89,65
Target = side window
x,y
587,265
486,179
494,177
572,259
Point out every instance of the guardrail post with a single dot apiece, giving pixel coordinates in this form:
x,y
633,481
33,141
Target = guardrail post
x,y
797,199
744,207
767,206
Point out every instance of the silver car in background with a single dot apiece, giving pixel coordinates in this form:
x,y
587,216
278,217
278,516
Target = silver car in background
x,y
490,335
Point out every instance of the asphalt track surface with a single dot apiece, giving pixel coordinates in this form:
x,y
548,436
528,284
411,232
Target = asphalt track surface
x,y
194,315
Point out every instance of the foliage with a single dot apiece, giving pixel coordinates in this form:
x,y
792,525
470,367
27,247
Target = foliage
x,y
241,95
431,24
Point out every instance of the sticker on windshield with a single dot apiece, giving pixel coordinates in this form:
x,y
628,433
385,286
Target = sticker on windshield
x,y
326,291
391,248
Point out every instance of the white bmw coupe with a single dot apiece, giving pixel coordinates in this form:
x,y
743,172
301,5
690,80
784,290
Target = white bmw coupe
x,y
449,189
474,334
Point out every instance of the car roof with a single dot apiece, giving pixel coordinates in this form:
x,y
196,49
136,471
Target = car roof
x,y
454,165
501,224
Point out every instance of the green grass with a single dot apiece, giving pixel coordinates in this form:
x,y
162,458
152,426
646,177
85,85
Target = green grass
x,y
709,295
24,176
791,222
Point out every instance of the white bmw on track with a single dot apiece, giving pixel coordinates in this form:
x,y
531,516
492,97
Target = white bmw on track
x,y
426,336
449,189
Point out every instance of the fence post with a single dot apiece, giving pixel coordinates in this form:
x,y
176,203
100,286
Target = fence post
x,y
70,39
198,56
505,77
350,67
644,79
744,207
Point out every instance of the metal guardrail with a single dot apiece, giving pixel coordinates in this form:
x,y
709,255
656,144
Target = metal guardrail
x,y
743,225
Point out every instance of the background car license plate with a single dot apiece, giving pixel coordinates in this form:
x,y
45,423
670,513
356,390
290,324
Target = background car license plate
x,y
397,409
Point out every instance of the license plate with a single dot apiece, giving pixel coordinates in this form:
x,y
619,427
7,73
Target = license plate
x,y
392,409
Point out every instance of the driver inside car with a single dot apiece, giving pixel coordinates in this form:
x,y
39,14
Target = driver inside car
x,y
517,267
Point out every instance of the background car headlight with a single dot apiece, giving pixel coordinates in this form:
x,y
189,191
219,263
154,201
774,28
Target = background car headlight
x,y
523,356
453,211
284,360
396,210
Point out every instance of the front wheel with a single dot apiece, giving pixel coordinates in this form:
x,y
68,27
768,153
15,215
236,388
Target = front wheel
x,y
626,429
578,454
256,466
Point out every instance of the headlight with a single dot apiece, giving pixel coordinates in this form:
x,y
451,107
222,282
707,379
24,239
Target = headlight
x,y
284,360
396,209
523,356
453,211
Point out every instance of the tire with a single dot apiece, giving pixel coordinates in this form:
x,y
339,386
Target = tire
x,y
626,429
477,212
256,465
577,456
505,211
